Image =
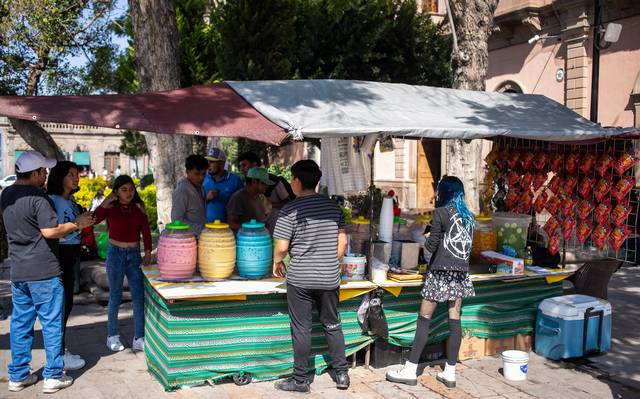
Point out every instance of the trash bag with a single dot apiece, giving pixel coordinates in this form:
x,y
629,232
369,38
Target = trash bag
x,y
375,322
103,242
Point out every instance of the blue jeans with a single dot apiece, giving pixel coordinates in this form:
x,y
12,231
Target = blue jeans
x,y
125,262
44,299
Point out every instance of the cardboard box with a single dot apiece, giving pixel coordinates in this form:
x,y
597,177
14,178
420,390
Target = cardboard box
x,y
471,348
505,264
524,342
497,346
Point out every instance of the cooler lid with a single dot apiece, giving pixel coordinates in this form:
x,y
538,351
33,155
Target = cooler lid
x,y
572,307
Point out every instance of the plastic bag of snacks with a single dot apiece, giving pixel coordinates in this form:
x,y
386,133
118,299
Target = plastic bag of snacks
x,y
567,227
492,157
503,159
625,162
622,187
526,201
583,231
602,212
602,188
539,180
569,185
514,159
555,162
513,178
553,205
526,181
617,237
587,162
600,235
584,209
512,199
551,226
541,201
604,163
540,161
571,165
554,244
568,206
527,159
585,186
620,213
555,184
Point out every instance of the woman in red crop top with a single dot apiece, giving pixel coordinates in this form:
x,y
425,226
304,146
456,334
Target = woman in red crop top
x,y
126,220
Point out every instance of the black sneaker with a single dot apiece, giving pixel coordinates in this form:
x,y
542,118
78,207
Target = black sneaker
x,y
342,380
292,385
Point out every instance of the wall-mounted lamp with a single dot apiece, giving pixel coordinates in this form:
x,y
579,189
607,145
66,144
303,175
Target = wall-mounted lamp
x,y
535,38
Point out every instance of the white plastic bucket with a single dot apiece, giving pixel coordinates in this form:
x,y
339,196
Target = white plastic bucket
x,y
354,267
515,365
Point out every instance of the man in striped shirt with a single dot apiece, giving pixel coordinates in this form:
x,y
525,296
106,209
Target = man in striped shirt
x,y
311,229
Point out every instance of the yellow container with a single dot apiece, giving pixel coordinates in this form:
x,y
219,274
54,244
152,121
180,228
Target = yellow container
x,y
484,239
216,251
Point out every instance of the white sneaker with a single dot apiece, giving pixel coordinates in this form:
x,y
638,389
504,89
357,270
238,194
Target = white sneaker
x,y
113,343
408,374
448,376
73,362
138,344
67,353
52,385
20,385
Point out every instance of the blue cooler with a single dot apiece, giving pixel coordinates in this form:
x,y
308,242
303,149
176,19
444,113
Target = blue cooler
x,y
572,326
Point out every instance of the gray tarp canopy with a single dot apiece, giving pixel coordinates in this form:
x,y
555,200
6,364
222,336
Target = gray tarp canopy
x,y
325,108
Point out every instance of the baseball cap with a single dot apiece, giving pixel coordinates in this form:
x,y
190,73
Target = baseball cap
x,y
33,160
216,154
260,174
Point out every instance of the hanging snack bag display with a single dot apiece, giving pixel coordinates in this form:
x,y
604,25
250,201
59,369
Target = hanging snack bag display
x,y
551,226
571,166
555,184
513,178
553,206
585,186
602,212
526,181
618,236
602,188
540,161
541,201
492,157
555,163
526,202
514,159
511,201
583,231
569,185
527,159
622,188
587,162
567,227
604,163
568,206
600,235
584,208
620,213
539,180
625,162
554,244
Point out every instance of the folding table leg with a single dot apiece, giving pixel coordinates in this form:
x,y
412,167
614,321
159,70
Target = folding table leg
x,y
367,356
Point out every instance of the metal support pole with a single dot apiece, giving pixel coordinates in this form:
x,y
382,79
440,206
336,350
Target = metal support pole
x,y
595,66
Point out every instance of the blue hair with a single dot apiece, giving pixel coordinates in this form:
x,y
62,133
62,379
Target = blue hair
x,y
451,193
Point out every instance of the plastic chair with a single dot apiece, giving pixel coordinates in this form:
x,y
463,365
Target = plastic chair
x,y
593,278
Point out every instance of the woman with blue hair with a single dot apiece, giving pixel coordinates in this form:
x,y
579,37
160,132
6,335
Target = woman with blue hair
x,y
447,280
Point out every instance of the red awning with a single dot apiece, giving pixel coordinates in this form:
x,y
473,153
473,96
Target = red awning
x,y
210,110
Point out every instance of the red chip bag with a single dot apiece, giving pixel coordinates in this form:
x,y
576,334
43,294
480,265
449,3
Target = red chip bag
x,y
527,159
511,199
540,160
554,184
513,178
541,201
568,206
604,163
617,237
625,161
620,213
551,226
503,159
526,181
554,244
602,212
526,201
585,186
600,235
539,180
553,205
584,209
602,188
567,227
587,162
555,162
622,187
492,156
571,165
514,159
569,185
583,231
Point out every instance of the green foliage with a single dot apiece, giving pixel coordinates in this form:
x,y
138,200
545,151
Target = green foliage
x,y
134,145
361,203
278,170
148,195
88,190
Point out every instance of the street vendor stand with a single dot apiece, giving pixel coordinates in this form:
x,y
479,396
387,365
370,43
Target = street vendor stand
x,y
199,331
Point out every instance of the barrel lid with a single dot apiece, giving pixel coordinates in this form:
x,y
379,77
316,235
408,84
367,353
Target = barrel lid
x,y
360,220
253,224
178,225
216,225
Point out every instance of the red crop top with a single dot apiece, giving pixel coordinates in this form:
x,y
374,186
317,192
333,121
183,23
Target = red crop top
x,y
125,223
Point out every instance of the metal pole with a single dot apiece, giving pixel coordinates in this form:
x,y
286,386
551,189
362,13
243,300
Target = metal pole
x,y
595,67
371,214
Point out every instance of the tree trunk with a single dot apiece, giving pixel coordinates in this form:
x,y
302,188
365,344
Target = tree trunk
x,y
473,20
158,67
38,138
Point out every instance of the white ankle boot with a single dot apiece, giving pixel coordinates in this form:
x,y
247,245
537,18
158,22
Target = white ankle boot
x,y
448,376
406,375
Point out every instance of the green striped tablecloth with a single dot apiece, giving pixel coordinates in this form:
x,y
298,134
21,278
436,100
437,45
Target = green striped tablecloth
x,y
190,342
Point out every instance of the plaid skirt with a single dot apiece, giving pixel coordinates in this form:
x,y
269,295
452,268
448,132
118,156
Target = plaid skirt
x,y
447,285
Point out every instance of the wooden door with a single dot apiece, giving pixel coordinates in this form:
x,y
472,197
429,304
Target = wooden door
x,y
428,173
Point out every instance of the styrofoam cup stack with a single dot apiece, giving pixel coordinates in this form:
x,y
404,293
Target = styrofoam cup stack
x,y
385,230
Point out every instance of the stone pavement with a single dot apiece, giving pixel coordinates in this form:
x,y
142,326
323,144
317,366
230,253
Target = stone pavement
x,y
124,375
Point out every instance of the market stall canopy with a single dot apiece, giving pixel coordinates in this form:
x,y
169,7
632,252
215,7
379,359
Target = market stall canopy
x,y
210,110
325,108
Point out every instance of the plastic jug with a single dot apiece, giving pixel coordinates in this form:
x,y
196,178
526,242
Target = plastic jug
x,y
254,250
216,251
484,238
177,252
512,230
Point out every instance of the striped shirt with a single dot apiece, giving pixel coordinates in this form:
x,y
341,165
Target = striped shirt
x,y
311,225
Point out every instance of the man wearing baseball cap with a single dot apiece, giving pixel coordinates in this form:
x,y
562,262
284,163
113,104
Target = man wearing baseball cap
x,y
220,185
249,203
37,291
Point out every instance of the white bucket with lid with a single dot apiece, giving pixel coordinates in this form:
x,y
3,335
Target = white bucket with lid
x,y
354,267
515,365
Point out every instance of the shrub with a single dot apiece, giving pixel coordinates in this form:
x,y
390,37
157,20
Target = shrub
x,y
88,190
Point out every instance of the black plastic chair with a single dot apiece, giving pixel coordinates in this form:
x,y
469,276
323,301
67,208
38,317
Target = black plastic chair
x,y
593,278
